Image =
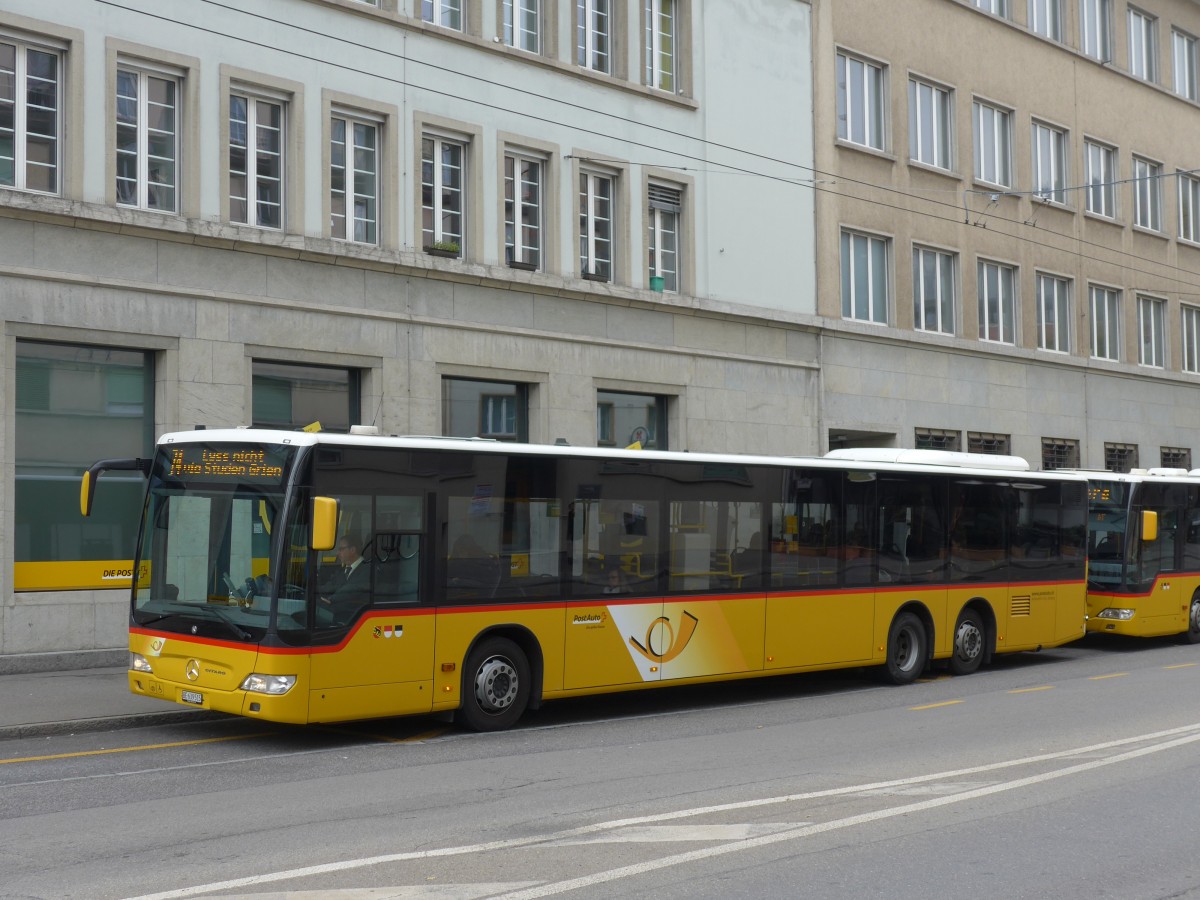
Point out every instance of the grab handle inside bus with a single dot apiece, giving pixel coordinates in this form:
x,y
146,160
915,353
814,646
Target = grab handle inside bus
x,y
1149,525
324,523
87,489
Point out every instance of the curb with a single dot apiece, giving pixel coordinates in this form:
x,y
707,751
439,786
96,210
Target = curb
x,y
107,723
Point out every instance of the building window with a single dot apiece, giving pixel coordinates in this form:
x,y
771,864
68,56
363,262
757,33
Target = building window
x,y
523,24
147,140
353,180
660,25
595,225
255,161
1143,45
986,442
666,207
1053,313
1147,194
1049,163
290,396
64,391
937,439
624,419
1175,458
522,211
865,279
1101,177
934,298
860,102
593,31
929,124
1059,453
1189,207
1183,50
993,145
491,409
1152,327
447,13
1120,457
997,303
1045,18
995,7
1095,28
1191,339
442,194
1106,323
30,117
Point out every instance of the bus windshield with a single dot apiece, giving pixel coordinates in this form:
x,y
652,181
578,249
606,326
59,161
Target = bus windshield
x,y
205,551
1108,523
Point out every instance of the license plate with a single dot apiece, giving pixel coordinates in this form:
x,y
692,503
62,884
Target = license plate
x,y
192,697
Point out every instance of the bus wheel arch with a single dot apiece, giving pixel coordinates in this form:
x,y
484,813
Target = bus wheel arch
x,y
909,639
971,643
499,675
1192,634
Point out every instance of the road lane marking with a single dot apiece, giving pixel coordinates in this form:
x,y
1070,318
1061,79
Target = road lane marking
x,y
1044,687
934,705
1102,677
1181,735
1182,666
106,751
662,834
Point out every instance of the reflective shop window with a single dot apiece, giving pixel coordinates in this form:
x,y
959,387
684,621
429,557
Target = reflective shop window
x,y
292,396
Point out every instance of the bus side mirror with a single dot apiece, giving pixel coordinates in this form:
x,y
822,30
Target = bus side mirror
x,y
87,487
324,523
1149,525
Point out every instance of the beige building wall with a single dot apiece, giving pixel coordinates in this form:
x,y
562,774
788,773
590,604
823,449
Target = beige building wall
x,y
882,381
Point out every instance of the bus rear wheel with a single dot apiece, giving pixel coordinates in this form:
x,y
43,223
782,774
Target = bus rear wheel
x,y
906,649
970,643
1192,635
495,687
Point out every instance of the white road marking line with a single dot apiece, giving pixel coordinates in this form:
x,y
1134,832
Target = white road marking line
x,y
1192,733
657,834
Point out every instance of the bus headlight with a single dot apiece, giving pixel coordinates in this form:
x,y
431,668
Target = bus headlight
x,y
139,663
268,684
1113,613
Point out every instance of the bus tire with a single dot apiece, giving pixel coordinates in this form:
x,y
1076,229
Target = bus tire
x,y
1192,635
496,683
906,649
970,643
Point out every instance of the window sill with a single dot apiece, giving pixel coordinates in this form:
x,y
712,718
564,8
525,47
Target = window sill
x,y
589,276
1151,232
863,148
917,165
522,266
444,254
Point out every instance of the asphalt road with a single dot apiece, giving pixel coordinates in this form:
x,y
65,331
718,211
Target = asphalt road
x,y
1071,773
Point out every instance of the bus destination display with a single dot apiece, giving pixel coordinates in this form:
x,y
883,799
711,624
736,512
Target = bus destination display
x,y
203,462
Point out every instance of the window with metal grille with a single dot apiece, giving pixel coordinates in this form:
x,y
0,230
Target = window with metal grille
x,y
1060,453
986,442
1176,458
1120,457
937,439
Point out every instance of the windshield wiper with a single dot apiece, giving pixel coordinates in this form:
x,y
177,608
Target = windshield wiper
x,y
242,634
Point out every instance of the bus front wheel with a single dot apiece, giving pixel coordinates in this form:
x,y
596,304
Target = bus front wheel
x,y
970,643
1192,635
495,686
906,649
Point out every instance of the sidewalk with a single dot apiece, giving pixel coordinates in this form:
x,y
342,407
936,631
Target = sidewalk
x,y
63,702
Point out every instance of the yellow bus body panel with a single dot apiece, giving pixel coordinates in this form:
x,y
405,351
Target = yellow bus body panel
x,y
1163,610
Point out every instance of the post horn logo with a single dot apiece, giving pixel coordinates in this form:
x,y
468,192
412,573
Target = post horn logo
x,y
192,669
662,643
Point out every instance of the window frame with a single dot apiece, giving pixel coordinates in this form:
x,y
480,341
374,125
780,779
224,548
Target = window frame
x,y
1056,145
945,290
1152,332
1045,18
1060,303
1143,44
1189,329
1184,48
22,47
1003,302
878,288
662,211
992,130
512,12
252,97
1189,207
514,226
1104,306
1147,194
940,117
434,12
352,119
1101,194
588,37
590,241
435,232
869,113
998,8
1096,29
655,74
143,72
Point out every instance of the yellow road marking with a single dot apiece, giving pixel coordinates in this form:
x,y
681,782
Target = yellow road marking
x,y
105,752
1182,666
1044,687
1102,677
935,705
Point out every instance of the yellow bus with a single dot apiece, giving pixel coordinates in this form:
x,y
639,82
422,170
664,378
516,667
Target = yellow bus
x,y
494,576
1144,553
